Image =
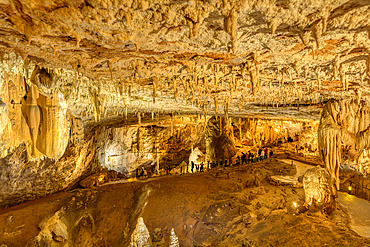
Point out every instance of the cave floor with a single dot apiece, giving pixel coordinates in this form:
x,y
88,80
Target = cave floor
x,y
235,206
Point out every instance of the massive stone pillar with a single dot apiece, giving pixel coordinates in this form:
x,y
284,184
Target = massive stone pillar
x,y
219,139
33,116
344,134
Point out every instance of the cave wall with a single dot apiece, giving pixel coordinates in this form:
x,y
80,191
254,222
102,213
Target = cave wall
x,y
128,147
219,137
271,132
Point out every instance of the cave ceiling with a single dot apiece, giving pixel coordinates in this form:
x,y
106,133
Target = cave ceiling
x,y
169,52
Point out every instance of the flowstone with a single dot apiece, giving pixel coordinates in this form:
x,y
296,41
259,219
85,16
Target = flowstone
x,y
344,134
318,189
219,139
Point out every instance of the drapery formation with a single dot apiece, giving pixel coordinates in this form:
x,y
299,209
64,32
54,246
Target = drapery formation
x,y
343,134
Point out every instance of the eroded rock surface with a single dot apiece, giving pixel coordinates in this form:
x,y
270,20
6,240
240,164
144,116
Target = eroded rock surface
x,y
226,207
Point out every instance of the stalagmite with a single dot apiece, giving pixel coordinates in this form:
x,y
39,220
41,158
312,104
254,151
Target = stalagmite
x,y
174,241
318,189
140,237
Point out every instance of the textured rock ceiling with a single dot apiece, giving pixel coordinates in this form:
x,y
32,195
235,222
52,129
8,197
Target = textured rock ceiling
x,y
194,55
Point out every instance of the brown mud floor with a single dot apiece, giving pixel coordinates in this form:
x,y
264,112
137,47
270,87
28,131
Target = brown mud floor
x,y
223,207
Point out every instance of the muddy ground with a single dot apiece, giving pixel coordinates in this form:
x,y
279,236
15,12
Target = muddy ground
x,y
235,206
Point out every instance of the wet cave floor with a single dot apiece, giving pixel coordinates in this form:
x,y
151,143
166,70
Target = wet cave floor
x,y
235,206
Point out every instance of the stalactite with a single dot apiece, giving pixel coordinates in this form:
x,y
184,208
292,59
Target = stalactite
x,y
305,37
175,88
297,68
231,25
362,75
240,129
155,81
254,75
368,62
317,33
172,124
95,103
216,104
318,71
226,108
273,24
336,65
306,71
358,96
110,69
216,69
342,76
282,77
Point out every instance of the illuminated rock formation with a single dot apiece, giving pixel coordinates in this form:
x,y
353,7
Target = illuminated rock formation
x,y
174,241
140,237
53,231
344,134
33,116
318,189
219,139
196,157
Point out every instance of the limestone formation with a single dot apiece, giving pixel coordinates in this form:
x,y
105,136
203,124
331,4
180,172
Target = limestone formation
x,y
45,79
174,241
140,237
220,143
53,231
318,189
76,77
343,134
